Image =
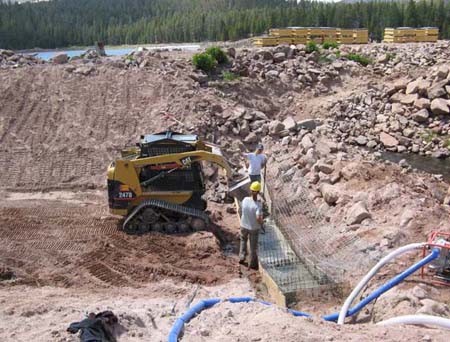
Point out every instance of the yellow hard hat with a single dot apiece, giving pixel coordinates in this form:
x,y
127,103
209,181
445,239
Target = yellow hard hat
x,y
255,186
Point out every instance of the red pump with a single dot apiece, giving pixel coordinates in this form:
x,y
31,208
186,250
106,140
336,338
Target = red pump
x,y
439,269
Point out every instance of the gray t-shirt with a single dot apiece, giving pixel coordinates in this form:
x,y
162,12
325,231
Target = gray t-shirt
x,y
255,163
250,210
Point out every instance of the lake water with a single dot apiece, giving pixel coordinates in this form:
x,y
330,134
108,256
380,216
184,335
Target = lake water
x,y
47,55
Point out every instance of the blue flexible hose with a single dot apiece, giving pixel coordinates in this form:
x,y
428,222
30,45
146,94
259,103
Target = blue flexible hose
x,y
207,303
386,287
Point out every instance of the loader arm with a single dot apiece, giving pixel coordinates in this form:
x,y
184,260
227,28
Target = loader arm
x,y
129,169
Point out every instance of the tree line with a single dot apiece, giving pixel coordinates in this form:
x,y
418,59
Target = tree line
x,y
63,23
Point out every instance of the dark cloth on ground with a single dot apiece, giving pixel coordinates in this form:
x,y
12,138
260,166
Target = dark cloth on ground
x,y
96,328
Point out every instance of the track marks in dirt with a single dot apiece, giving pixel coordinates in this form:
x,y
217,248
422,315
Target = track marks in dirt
x,y
105,274
58,128
57,243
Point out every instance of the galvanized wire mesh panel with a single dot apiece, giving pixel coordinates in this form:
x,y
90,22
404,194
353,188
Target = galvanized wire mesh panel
x,y
283,265
303,249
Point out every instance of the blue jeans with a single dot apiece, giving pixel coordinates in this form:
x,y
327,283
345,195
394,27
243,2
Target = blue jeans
x,y
255,178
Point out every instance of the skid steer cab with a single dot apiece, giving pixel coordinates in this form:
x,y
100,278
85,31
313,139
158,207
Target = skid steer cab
x,y
159,185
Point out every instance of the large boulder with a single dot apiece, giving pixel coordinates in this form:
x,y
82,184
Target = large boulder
x,y
231,52
84,70
357,213
421,116
442,72
7,53
324,147
325,168
266,55
61,58
199,76
439,106
330,193
397,108
309,124
422,103
437,90
388,140
419,86
400,84
279,57
434,308
275,127
412,87
408,99
350,171
272,74
290,124
361,140
307,142
251,138
441,153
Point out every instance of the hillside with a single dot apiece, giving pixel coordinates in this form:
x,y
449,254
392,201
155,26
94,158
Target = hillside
x,y
62,23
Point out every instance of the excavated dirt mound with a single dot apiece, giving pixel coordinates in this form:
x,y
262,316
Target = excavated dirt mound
x,y
59,131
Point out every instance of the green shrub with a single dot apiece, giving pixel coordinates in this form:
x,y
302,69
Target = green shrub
x,y
338,54
311,47
359,59
330,45
204,61
229,76
218,54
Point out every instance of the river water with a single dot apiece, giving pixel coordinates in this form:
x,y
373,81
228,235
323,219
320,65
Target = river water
x,y
113,51
422,163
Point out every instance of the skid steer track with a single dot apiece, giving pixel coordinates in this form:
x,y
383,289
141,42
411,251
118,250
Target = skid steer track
x,y
159,204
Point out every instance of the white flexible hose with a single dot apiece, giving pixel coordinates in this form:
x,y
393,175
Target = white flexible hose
x,y
372,272
418,319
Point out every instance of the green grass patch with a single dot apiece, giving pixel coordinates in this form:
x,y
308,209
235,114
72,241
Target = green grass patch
x,y
428,136
330,45
447,143
363,60
229,76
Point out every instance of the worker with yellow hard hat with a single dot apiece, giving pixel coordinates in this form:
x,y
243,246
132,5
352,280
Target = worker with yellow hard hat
x,y
251,221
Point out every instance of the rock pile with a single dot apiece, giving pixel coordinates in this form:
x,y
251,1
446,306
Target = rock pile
x,y
402,301
409,115
156,61
293,66
389,58
9,58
